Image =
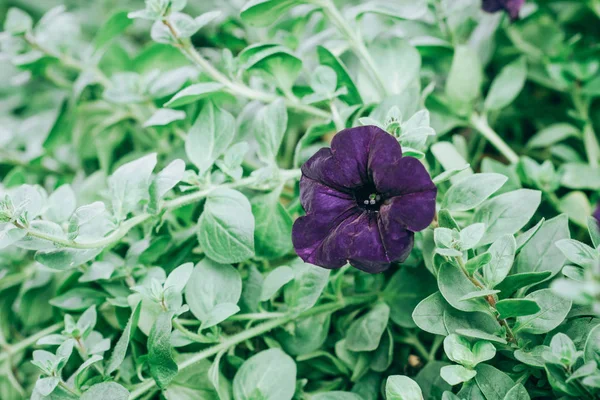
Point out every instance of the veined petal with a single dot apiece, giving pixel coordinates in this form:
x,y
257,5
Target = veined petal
x,y
402,177
414,211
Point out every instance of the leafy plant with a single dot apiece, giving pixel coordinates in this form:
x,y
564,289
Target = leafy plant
x,y
150,161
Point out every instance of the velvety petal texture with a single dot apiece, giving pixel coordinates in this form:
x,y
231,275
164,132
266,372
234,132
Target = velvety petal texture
x,y
597,213
363,202
512,7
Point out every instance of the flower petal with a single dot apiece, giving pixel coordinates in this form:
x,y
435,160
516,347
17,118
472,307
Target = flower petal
x,y
356,240
407,175
328,202
415,211
397,240
346,165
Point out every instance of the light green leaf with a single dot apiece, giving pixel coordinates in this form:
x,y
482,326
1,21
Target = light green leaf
x,y
365,333
275,281
106,390
209,137
163,367
471,191
400,387
268,375
226,227
507,213
129,185
553,310
304,291
210,285
507,85
503,255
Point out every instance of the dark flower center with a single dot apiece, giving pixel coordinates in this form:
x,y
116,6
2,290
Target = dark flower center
x,y
368,199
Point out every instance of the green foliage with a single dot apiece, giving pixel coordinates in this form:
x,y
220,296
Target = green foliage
x,y
149,168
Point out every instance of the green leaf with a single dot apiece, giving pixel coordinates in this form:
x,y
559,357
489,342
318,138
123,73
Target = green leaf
x,y
269,128
209,137
365,333
477,334
591,350
507,213
263,13
163,117
219,314
164,181
553,134
510,308
17,21
275,61
455,374
336,395
507,85
273,232
61,204
518,392
512,283
120,349
450,158
578,253
195,92
429,313
210,285
268,375
163,367
400,387
45,386
226,227
78,299
540,253
493,383
344,80
114,26
194,383
577,206
580,176
304,291
275,281
398,61
306,335
454,285
129,185
471,191
405,290
64,258
464,79
553,310
384,354
502,253
106,390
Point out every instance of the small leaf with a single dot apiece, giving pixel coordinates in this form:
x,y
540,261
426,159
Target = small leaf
x,y
275,280
399,387
365,333
510,308
163,367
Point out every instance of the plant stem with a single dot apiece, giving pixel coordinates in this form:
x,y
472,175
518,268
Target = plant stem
x,y
31,340
235,88
253,332
119,233
491,299
414,341
355,42
480,123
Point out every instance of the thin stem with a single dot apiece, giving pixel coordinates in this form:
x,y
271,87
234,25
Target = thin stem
x,y
235,88
29,341
119,233
355,42
191,335
480,123
416,344
491,299
253,332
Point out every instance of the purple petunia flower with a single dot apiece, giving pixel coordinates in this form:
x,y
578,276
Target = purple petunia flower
x,y
596,213
512,7
363,202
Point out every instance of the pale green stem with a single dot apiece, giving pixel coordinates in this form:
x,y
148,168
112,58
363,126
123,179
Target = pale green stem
x,y
356,43
251,333
234,87
480,123
13,349
120,232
